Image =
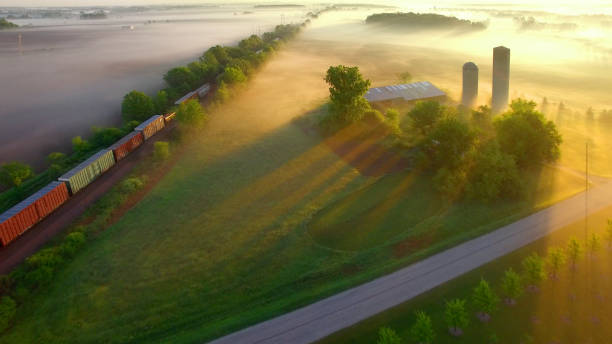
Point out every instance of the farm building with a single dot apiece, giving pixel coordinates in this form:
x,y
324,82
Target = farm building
x,y
403,94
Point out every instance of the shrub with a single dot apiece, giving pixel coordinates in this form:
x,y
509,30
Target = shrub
x,y
512,286
484,299
494,175
388,336
15,173
79,145
8,308
422,331
131,184
71,244
449,183
191,113
161,150
533,267
455,316
223,93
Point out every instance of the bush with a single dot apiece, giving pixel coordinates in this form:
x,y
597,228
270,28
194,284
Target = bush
x,y
79,145
161,150
137,106
14,174
494,175
131,184
450,183
223,93
388,336
71,244
8,308
190,113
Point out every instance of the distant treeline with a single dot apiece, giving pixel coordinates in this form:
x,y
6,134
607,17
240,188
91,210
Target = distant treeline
x,y
423,20
5,24
93,15
279,6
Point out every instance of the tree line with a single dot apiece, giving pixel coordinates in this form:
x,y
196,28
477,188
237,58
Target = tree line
x,y
485,301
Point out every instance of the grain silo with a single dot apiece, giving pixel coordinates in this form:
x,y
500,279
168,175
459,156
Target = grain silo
x,y
501,78
470,84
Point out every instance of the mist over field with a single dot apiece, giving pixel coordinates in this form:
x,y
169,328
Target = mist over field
x,y
71,74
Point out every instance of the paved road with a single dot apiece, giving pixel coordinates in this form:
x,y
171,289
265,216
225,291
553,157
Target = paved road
x,y
327,316
34,238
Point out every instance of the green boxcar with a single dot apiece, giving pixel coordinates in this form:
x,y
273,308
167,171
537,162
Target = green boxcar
x,y
87,171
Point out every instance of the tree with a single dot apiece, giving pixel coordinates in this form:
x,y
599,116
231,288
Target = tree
x,y
485,300
57,158
512,286
232,75
346,91
456,316
481,117
190,113
223,93
555,260
13,174
137,106
594,244
161,150
180,78
388,336
161,102
79,145
103,137
448,143
450,183
524,133
533,267
494,175
253,43
422,330
574,251
8,308
425,114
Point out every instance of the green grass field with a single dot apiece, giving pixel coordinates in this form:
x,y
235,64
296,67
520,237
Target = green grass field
x,y
251,223
572,309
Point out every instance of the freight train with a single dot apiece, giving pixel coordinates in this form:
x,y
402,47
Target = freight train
x,y
23,216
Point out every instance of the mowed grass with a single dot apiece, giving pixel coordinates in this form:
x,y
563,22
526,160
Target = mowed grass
x,y
575,308
223,240
405,207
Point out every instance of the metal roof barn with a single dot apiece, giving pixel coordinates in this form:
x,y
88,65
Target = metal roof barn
x,y
87,171
408,92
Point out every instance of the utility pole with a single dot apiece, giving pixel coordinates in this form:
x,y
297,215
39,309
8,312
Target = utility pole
x,y
586,195
19,46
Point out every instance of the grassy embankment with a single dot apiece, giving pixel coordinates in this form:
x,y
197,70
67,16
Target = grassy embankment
x,y
225,239
572,309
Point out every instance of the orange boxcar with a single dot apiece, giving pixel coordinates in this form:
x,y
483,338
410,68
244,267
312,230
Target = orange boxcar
x,y
127,144
29,212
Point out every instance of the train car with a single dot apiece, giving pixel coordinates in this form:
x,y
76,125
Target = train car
x,y
188,96
87,171
126,145
169,117
32,210
151,126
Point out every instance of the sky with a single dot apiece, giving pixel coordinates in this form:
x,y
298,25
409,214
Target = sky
x,y
393,2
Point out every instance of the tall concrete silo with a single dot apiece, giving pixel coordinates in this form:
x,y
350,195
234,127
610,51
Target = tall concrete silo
x,y
501,79
470,84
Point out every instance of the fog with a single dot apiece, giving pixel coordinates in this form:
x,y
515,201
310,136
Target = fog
x,y
71,74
